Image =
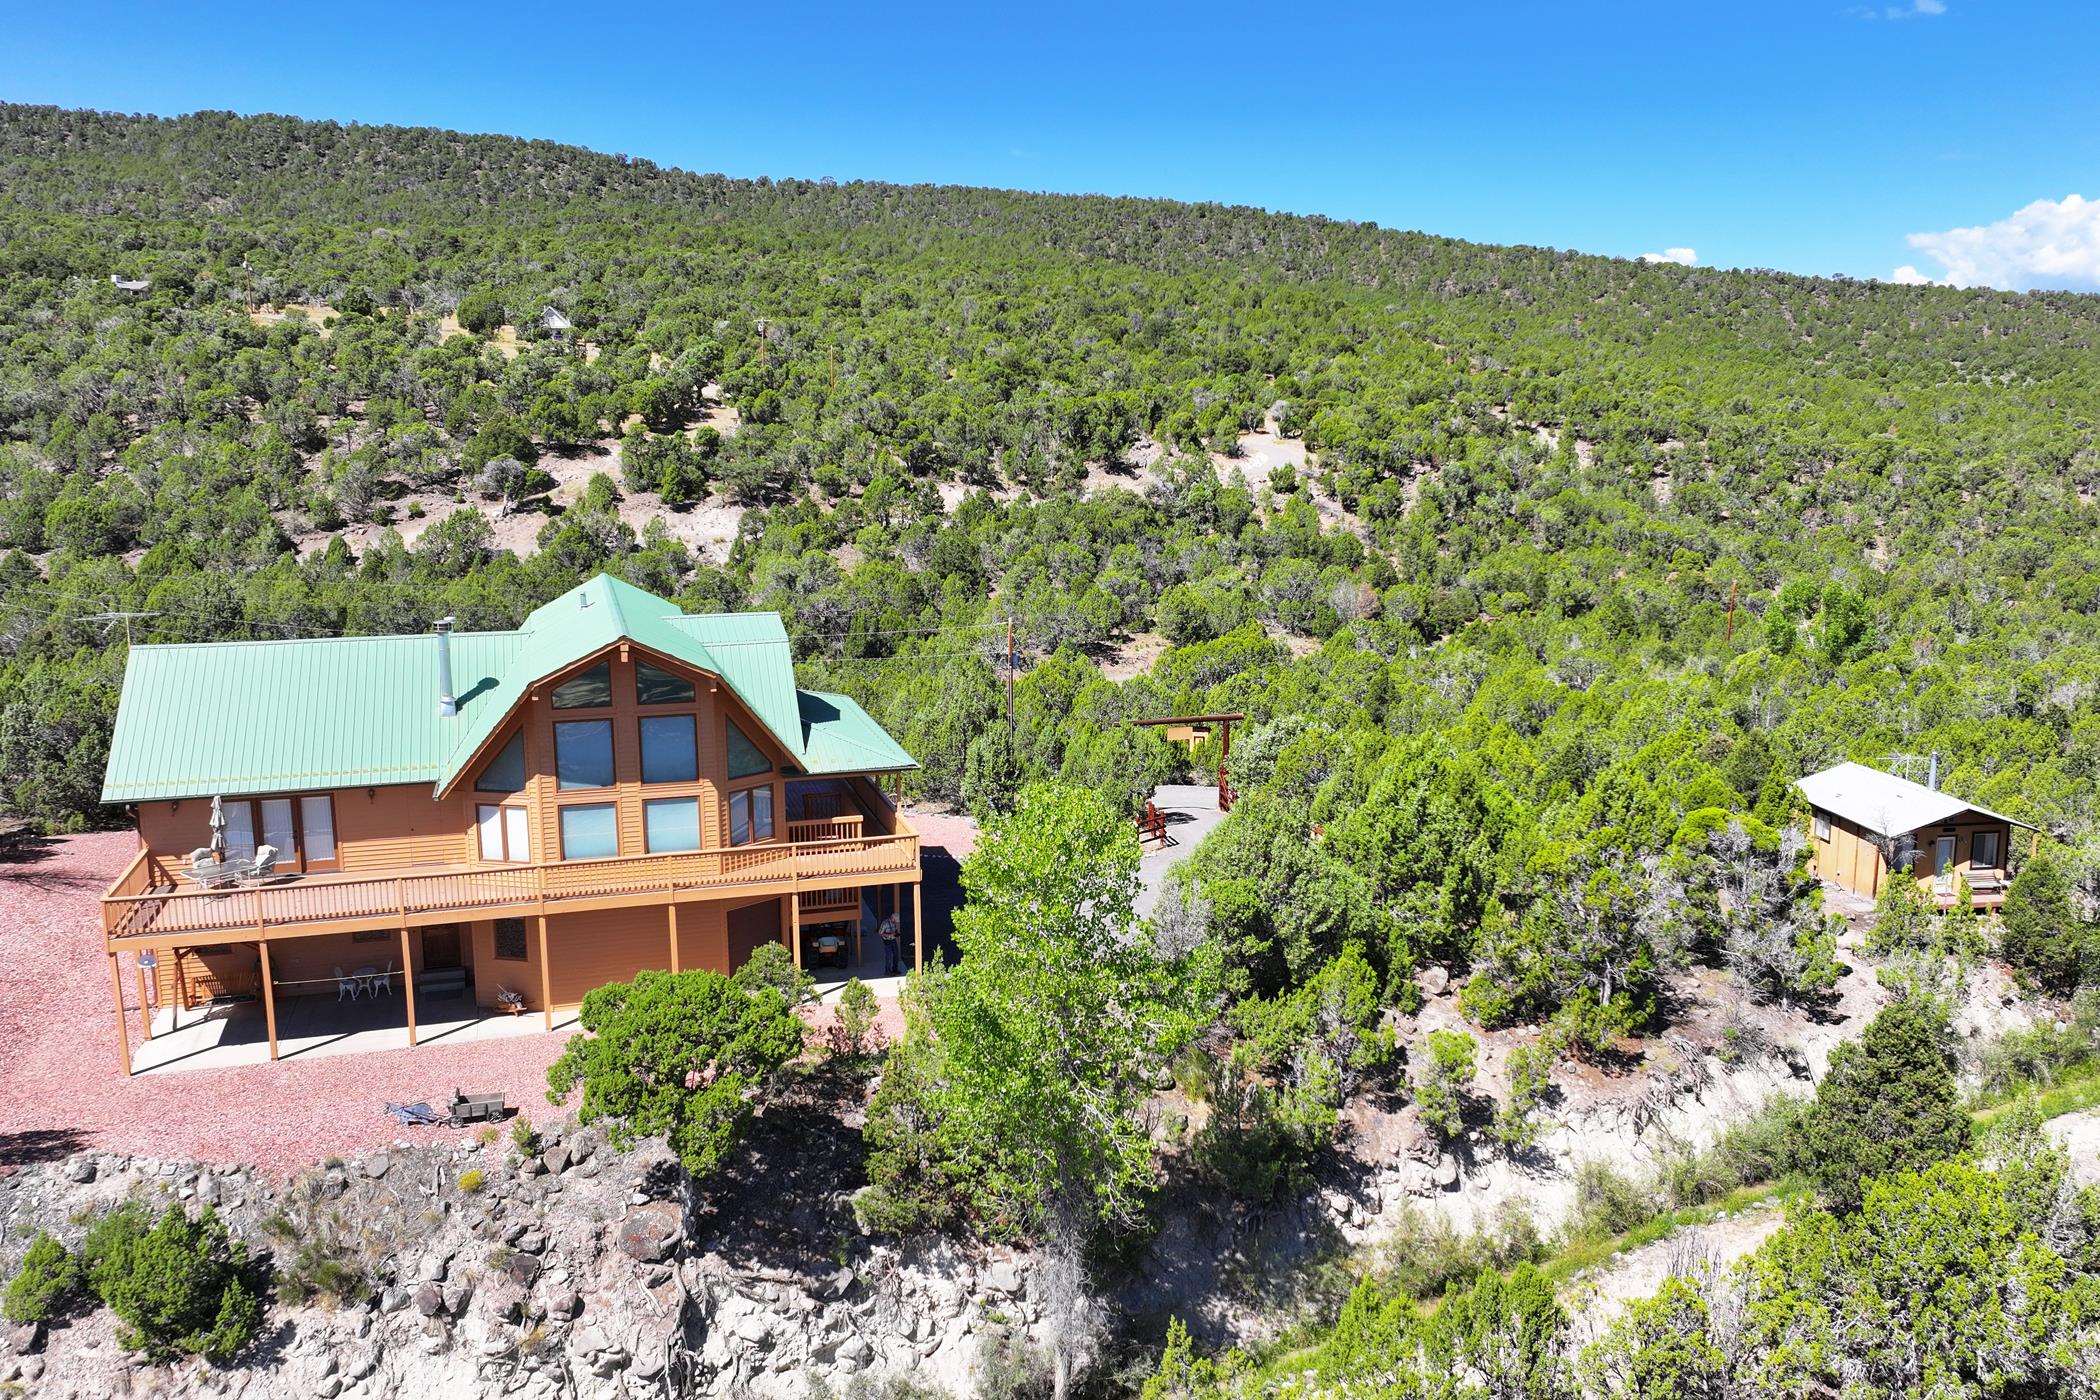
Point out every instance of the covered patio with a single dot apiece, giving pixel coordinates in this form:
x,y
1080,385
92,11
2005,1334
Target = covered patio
x,y
235,1033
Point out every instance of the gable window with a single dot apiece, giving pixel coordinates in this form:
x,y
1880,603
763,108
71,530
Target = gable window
x,y
751,815
589,832
746,760
656,686
506,771
583,754
502,831
672,824
1822,826
670,753
510,940
1984,850
586,690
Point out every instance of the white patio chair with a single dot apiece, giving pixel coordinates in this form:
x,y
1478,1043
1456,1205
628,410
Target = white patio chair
x,y
384,981
265,862
345,985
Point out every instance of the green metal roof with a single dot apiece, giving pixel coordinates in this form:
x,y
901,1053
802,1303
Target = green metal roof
x,y
226,718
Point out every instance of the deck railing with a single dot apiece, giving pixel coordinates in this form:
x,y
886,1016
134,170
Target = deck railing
x,y
145,902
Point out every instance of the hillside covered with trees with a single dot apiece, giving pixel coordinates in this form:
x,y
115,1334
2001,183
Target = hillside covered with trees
x,y
1565,567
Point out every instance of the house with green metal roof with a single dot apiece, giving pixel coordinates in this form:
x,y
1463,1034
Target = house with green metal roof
x,y
494,822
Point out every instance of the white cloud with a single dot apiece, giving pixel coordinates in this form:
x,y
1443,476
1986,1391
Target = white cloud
x,y
1683,257
2052,243
1908,276
1916,9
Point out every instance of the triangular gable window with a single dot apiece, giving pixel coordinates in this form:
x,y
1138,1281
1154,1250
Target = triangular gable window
x,y
745,758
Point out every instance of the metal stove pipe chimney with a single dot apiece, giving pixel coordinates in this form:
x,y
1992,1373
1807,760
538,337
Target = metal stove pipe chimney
x,y
448,704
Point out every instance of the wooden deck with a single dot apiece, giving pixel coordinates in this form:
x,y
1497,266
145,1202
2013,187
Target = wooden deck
x,y
148,907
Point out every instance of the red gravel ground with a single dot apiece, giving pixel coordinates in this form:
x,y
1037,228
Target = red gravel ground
x,y
62,1089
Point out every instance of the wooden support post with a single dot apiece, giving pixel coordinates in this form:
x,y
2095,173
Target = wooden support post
x,y
918,930
546,981
408,984
269,991
795,926
145,1010
116,989
673,907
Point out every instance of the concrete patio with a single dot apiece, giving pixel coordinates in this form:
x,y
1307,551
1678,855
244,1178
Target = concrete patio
x,y
1191,810
316,1027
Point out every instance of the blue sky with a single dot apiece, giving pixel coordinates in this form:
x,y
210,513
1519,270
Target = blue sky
x,y
1815,137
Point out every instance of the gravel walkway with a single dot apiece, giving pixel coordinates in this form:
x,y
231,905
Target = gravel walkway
x,y
61,1090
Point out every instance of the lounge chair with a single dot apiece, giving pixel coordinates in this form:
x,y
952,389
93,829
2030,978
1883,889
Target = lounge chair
x,y
265,862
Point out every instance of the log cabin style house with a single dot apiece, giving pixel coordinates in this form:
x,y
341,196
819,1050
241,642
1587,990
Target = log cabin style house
x,y
529,814
1865,824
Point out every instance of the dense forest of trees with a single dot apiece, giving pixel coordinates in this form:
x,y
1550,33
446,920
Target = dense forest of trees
x,y
1590,558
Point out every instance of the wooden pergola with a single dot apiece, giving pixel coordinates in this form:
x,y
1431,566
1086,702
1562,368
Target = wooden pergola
x,y
1196,726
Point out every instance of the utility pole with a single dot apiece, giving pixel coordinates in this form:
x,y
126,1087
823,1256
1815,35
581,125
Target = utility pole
x,y
1010,740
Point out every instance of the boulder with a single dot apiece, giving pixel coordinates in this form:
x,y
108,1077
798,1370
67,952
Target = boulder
x,y
555,1159
524,1269
1434,981
430,1301
1447,1171
376,1165
80,1170
652,1233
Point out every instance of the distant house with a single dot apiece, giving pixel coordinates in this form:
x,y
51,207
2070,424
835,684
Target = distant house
x,y
1866,824
129,284
555,324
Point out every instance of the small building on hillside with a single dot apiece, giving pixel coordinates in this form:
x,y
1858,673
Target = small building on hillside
x,y
129,284
1865,823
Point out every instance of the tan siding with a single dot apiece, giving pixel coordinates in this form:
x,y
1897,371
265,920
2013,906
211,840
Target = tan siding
x,y
491,973
589,950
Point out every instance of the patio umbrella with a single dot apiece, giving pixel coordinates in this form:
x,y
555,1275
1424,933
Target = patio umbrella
x,y
218,829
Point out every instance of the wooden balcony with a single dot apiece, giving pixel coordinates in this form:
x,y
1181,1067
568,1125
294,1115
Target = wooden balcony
x,y
149,907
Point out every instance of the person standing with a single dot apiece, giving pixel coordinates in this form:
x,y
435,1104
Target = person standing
x,y
889,932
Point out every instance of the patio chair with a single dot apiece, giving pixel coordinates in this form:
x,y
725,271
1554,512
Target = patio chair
x,y
265,862
213,874
345,985
384,981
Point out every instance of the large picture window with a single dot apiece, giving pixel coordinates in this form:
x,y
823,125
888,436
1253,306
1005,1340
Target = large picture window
x,y
587,690
583,754
670,753
590,831
654,686
505,772
751,815
672,824
746,759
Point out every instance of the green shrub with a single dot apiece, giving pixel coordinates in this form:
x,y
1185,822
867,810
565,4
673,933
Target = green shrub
x,y
314,1263
2043,936
472,1180
1440,1092
179,1285
47,1278
524,1136
770,966
854,1035
1888,1103
1608,1202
